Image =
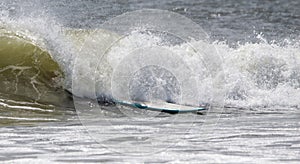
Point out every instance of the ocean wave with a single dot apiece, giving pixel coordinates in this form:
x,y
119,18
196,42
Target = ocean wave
x,y
38,67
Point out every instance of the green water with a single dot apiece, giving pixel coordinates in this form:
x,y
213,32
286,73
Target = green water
x,y
31,87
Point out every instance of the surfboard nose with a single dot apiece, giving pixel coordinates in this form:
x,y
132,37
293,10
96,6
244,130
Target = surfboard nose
x,y
140,106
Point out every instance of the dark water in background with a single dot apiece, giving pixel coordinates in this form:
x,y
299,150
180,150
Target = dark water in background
x,y
247,135
224,20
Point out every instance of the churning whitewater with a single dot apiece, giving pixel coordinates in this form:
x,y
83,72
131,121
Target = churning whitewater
x,y
240,59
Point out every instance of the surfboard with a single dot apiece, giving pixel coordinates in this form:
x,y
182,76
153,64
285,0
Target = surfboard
x,y
162,107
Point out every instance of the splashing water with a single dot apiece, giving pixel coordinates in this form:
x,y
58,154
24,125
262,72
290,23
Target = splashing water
x,y
41,40
261,74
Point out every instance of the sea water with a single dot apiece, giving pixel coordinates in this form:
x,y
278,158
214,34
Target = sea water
x,y
258,44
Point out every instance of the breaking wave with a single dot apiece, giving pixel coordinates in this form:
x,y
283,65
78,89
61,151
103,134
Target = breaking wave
x,y
37,60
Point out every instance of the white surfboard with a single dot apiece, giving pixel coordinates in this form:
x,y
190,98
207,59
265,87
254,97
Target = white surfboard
x,y
162,107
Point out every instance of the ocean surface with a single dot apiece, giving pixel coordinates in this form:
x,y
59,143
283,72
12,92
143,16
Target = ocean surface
x,y
61,62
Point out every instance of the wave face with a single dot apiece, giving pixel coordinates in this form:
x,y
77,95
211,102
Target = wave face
x,y
22,62
31,85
